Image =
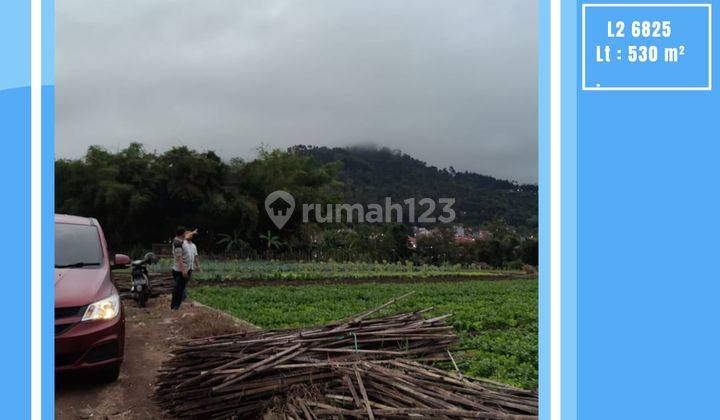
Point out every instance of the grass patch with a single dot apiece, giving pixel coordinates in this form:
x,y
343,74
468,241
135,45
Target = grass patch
x,y
497,321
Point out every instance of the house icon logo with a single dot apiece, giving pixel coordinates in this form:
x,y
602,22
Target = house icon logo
x,y
279,206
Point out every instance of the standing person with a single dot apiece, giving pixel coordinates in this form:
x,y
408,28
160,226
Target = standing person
x,y
194,258
180,267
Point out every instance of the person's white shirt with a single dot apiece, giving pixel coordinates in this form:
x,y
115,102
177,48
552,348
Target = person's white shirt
x,y
192,253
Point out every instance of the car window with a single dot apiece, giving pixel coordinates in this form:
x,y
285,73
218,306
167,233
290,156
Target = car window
x,y
77,246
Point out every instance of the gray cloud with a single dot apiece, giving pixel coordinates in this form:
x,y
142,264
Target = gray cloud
x,y
452,83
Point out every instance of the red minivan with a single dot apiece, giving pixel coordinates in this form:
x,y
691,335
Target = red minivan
x,y
89,318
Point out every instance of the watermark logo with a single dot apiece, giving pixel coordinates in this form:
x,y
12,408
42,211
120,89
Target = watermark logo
x,y
279,206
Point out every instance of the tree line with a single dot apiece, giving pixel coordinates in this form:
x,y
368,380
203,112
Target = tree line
x,y
140,197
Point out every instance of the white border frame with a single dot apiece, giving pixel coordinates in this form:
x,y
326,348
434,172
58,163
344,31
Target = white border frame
x,y
667,88
35,210
555,301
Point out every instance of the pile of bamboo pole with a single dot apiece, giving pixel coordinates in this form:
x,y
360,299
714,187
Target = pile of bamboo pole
x,y
405,388
244,375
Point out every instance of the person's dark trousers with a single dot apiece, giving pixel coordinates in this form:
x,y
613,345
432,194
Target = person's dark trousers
x,y
189,277
178,289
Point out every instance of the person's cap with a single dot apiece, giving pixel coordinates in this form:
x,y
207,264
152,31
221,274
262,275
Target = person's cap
x,y
180,230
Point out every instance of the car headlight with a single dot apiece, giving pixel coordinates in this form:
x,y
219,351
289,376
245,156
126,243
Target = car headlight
x,y
107,308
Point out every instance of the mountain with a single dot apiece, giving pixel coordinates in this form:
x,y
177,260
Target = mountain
x,y
369,174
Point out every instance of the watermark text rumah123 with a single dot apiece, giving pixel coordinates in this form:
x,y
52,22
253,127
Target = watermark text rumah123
x,y
280,206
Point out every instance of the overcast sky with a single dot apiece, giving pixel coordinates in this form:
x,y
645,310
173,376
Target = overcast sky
x,y
453,83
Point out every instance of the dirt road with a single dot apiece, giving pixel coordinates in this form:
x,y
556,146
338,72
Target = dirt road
x,y
150,333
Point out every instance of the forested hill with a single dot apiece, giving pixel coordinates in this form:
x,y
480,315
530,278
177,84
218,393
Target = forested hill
x,y
140,196
369,174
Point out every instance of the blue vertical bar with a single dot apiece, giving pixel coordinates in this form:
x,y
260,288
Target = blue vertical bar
x,y
648,206
15,213
569,76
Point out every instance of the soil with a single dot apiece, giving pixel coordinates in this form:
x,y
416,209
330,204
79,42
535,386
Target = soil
x,y
149,334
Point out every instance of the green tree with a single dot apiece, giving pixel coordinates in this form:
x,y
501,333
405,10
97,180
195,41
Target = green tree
x,y
271,241
232,242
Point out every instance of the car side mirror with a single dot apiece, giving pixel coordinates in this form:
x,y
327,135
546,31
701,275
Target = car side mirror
x,y
120,261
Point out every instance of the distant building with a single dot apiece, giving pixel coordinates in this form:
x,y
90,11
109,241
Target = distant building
x,y
464,239
482,234
412,242
421,231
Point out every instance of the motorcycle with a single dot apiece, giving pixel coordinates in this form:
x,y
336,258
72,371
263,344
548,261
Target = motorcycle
x,y
140,280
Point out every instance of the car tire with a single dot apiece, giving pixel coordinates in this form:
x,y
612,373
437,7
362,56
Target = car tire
x,y
110,373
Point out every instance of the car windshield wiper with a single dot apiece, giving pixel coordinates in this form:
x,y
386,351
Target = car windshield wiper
x,y
76,265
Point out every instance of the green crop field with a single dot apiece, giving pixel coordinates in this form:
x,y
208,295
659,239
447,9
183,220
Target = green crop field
x,y
294,270
497,321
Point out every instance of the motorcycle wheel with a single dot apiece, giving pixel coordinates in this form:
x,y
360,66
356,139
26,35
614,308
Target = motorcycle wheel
x,y
142,299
